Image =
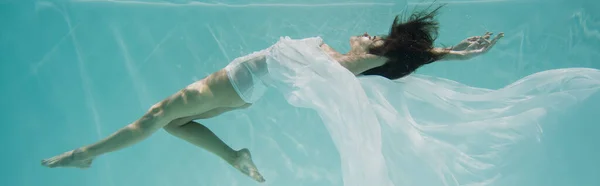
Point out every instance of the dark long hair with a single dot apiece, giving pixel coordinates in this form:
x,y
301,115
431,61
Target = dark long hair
x,y
408,45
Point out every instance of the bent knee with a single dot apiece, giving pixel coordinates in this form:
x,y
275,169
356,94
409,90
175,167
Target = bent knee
x,y
156,109
177,123
157,112
171,128
179,104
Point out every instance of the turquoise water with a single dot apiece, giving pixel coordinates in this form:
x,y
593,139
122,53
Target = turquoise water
x,y
76,71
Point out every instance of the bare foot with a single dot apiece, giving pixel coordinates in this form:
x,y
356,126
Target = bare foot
x,y
245,165
68,159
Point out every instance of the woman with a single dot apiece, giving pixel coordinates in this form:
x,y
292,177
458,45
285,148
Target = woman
x,y
408,46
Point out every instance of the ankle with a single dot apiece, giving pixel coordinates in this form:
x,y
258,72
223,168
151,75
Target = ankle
x,y
81,154
230,156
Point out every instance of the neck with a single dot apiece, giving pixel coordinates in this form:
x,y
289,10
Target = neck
x,y
354,61
350,56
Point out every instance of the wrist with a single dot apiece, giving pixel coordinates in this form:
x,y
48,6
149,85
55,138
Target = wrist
x,y
455,55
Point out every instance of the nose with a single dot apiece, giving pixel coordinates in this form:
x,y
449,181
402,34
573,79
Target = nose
x,y
367,35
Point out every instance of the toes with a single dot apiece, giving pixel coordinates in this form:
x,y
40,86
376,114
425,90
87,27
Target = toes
x,y
66,160
252,172
256,175
50,162
259,179
45,163
246,166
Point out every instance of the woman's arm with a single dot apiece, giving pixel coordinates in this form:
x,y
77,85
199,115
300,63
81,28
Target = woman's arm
x,y
468,48
449,55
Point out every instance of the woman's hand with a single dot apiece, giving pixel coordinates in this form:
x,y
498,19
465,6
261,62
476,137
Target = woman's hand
x,y
469,48
476,45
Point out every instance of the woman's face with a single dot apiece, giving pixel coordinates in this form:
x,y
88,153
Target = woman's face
x,y
361,44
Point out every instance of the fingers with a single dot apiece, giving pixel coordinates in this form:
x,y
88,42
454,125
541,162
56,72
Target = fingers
x,y
474,38
480,43
487,35
463,44
500,35
485,42
494,41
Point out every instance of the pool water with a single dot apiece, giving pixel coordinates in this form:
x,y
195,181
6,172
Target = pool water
x,y
74,71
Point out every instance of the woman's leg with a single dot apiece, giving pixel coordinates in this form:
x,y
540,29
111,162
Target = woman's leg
x,y
192,100
200,136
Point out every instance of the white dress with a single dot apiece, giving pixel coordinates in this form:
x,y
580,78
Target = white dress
x,y
418,130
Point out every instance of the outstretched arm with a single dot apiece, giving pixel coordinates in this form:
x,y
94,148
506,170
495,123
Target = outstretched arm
x,y
469,48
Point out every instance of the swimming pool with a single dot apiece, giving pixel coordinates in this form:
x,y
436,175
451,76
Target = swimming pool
x,y
76,71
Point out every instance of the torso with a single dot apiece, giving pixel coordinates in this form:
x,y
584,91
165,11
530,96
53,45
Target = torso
x,y
221,88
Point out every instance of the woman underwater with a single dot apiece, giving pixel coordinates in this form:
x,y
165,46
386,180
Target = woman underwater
x,y
408,46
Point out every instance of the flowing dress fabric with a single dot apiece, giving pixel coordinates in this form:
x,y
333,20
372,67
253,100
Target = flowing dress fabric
x,y
420,130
